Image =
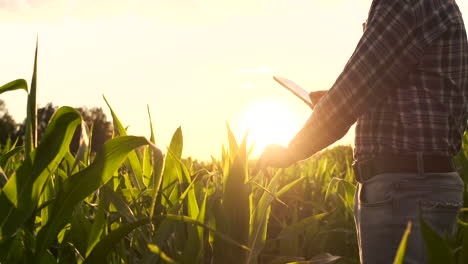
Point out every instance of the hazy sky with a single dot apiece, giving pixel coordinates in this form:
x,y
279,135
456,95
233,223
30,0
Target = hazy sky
x,y
197,63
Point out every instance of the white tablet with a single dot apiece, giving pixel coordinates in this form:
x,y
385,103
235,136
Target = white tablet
x,y
295,89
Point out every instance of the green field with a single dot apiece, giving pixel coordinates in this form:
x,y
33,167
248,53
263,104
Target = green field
x,y
129,203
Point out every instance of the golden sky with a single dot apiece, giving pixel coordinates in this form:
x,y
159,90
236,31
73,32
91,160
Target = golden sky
x,y
197,63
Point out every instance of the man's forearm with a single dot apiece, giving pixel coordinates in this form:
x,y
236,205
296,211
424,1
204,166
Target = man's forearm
x,y
313,137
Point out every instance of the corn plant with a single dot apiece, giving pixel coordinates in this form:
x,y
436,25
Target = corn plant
x,y
129,203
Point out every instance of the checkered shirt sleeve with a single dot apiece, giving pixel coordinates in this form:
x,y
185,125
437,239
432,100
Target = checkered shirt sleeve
x,y
405,85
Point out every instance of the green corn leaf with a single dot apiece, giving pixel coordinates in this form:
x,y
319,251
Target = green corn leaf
x,y
402,248
258,234
156,170
21,193
192,245
80,230
260,217
464,246
98,228
5,157
3,178
83,147
156,250
251,149
147,168
156,177
119,128
135,165
19,84
48,258
274,195
85,182
68,164
465,145
324,258
348,187
233,146
30,137
333,183
172,172
201,218
165,228
288,186
437,249
192,204
47,196
105,245
152,138
10,145
193,210
87,157
243,156
194,249
119,202
301,226
235,207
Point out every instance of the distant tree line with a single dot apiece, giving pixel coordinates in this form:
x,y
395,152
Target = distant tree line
x,y
94,118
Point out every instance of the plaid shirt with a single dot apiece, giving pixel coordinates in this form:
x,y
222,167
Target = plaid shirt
x,y
406,85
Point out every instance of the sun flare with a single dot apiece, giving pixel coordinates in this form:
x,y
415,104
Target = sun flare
x,y
269,122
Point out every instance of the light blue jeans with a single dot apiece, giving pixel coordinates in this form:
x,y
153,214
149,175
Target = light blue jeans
x,y
384,204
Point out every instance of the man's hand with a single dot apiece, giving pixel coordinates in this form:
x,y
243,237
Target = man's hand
x,y
315,96
274,156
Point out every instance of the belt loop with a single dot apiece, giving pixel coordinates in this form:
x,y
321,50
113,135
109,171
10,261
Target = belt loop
x,y
420,161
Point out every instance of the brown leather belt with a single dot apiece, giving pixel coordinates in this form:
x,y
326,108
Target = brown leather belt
x,y
402,164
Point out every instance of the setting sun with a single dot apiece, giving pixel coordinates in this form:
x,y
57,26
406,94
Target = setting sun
x,y
269,122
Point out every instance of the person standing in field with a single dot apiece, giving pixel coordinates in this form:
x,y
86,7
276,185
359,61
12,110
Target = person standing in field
x,y
406,86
